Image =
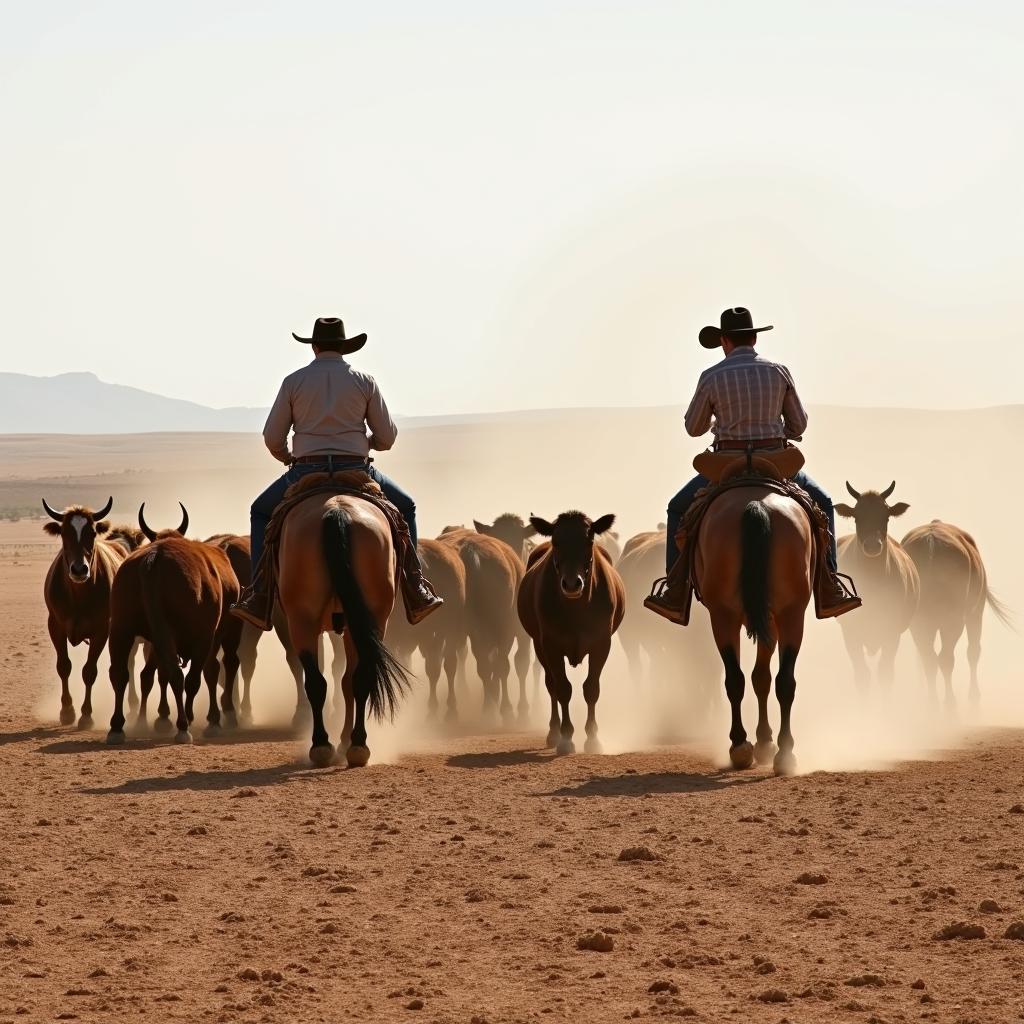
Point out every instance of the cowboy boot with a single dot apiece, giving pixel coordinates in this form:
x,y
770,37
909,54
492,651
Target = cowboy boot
x,y
417,593
832,596
254,605
671,599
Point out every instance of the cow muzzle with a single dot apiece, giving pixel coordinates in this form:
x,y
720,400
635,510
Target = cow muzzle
x,y
872,547
79,571
572,586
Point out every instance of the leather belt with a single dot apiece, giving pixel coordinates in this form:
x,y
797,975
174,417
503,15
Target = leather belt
x,y
331,458
742,446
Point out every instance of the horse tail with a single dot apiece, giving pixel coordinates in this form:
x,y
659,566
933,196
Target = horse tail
x,y
755,545
388,680
1001,610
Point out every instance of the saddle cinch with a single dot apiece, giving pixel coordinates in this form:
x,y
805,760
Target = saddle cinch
x,y
772,469
352,482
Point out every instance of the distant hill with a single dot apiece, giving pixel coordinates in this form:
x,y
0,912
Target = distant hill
x,y
72,403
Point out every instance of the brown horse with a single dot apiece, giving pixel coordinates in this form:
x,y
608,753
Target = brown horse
x,y
754,569
571,601
337,571
954,592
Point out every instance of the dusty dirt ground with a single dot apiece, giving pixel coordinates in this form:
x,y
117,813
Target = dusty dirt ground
x,y
229,881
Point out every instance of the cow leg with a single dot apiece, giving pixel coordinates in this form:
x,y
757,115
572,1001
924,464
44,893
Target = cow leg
x,y
887,663
163,708
974,650
119,648
791,634
230,641
432,648
247,645
60,645
949,635
146,687
185,687
563,694
924,641
855,651
761,680
451,666
554,722
522,663
592,691
89,673
133,697
502,670
211,673
482,654
726,628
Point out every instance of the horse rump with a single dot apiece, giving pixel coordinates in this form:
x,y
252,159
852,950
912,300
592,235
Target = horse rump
x,y
377,668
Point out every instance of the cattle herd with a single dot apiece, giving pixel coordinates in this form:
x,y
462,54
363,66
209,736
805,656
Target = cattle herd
x,y
516,593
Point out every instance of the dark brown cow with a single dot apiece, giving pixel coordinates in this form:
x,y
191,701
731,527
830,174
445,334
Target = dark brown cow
x,y
493,572
886,580
174,593
441,638
954,592
571,601
77,594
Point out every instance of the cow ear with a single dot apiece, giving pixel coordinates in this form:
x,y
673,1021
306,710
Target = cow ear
x,y
482,528
542,526
102,526
52,528
844,510
898,509
603,525
529,530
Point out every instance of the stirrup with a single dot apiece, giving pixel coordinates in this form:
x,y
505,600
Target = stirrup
x,y
658,587
846,582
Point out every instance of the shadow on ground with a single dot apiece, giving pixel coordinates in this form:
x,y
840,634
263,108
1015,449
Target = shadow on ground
x,y
653,783
245,778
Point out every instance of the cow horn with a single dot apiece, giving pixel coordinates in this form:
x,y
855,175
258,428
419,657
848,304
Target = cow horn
x,y
143,525
105,511
53,515
889,490
184,519
856,494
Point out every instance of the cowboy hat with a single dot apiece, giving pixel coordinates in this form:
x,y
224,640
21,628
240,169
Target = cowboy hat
x,y
734,321
330,331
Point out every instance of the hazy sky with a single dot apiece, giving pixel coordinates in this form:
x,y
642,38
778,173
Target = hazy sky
x,y
524,205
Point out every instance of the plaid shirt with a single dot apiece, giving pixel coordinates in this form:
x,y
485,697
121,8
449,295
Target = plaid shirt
x,y
746,398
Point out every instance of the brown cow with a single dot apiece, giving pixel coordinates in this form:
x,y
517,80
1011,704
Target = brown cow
x,y
442,637
493,572
886,580
954,592
77,594
571,601
174,593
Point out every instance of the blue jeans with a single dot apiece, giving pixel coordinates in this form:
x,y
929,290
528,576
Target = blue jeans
x,y
684,499
263,507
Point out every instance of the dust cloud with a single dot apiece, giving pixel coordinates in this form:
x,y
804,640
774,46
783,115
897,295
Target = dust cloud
x,y
947,465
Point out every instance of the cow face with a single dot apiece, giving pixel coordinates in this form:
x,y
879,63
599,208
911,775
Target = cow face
x,y
511,529
572,548
871,516
78,527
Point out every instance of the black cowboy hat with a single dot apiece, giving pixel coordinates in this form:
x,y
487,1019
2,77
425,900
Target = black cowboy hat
x,y
734,321
329,330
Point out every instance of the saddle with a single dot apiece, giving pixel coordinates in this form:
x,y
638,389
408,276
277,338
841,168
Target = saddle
x,y
351,482
770,469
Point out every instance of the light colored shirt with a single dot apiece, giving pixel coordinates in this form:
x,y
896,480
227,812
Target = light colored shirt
x,y
746,398
328,406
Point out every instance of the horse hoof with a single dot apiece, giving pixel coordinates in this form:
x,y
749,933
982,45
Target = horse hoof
x,y
742,756
357,757
163,725
523,716
451,716
565,747
593,746
85,722
553,738
115,738
213,729
322,756
67,716
183,737
764,752
140,727
785,763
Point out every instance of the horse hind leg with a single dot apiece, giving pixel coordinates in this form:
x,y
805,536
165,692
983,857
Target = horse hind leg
x,y
974,652
949,634
791,632
741,752
761,680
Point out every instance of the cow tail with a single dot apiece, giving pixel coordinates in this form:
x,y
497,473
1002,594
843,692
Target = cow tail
x,y
1001,610
755,546
160,633
376,665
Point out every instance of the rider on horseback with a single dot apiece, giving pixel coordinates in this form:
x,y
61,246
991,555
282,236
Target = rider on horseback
x,y
746,401
328,406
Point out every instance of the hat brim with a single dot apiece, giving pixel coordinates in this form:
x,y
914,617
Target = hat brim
x,y
353,344
711,337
